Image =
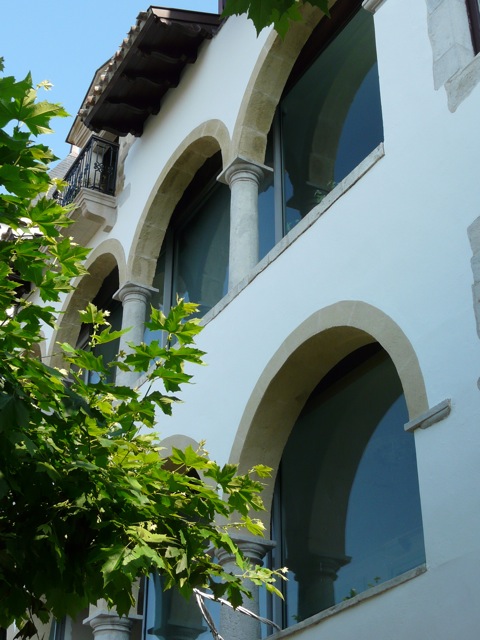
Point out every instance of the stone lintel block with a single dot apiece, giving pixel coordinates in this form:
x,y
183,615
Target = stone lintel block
x,y
261,111
475,263
462,83
450,38
432,5
253,144
445,67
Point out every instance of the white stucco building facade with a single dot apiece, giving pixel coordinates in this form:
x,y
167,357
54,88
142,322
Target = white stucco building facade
x,y
319,197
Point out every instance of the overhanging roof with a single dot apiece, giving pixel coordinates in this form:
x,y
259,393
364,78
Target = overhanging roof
x,y
149,62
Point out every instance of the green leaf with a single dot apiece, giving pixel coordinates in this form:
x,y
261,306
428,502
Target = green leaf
x,y
279,13
87,504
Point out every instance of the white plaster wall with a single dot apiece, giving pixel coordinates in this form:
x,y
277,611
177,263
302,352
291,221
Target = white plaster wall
x,y
396,240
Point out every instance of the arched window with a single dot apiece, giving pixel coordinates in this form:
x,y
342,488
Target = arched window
x,y
169,615
193,262
104,300
347,508
328,120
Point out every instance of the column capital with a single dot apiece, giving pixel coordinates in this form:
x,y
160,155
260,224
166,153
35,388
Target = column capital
x,y
135,289
242,168
103,622
325,566
372,5
253,548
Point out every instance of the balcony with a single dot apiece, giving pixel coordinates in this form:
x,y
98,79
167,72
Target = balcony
x,y
95,169
91,182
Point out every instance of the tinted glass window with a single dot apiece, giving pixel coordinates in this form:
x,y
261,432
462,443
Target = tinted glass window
x,y
348,513
193,261
104,301
326,124
331,119
202,250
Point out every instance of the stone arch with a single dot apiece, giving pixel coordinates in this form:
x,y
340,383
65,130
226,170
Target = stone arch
x,y
38,350
303,359
99,264
180,441
176,175
266,85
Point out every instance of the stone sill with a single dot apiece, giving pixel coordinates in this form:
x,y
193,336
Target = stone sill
x,y
351,602
432,416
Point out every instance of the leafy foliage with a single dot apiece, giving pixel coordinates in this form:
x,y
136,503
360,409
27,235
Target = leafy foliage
x,y
87,503
279,13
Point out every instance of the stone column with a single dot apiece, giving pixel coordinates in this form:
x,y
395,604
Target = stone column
x,y
134,298
243,177
108,626
185,621
316,590
234,625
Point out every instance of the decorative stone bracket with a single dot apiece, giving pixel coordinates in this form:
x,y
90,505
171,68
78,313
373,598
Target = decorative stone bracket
x,y
94,212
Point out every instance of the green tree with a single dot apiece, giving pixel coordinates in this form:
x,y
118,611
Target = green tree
x,y
87,504
279,13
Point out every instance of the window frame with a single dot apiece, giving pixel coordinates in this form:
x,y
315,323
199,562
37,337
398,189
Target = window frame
x,y
277,609
473,11
325,32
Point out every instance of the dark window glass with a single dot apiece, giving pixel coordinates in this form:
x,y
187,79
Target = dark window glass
x,y
202,249
347,511
104,301
473,8
266,206
169,616
193,262
331,119
328,121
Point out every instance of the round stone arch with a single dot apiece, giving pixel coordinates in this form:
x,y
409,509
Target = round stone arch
x,y
177,441
38,350
266,85
100,262
303,359
176,175
180,441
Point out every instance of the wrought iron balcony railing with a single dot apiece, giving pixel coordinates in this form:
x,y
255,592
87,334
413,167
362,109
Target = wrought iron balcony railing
x,y
95,168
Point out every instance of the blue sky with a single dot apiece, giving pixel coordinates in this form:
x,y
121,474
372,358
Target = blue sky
x,y
65,41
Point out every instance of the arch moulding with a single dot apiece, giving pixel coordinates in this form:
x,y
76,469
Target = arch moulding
x,y
302,360
100,262
266,85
